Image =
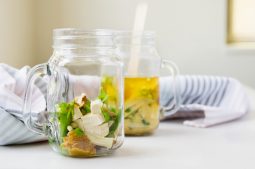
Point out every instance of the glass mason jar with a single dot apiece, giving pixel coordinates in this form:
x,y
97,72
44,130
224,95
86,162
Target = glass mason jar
x,y
142,82
83,115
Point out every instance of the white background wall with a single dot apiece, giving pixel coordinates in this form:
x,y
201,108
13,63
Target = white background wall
x,y
192,33
17,32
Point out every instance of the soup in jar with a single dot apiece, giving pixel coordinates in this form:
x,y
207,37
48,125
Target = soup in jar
x,y
141,105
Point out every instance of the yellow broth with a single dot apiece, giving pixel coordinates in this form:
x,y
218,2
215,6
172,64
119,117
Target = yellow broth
x,y
141,105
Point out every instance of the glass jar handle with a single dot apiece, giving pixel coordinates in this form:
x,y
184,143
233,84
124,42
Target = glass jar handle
x,y
34,121
171,109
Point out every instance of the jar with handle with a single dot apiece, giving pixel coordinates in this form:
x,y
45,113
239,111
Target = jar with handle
x,y
83,84
143,68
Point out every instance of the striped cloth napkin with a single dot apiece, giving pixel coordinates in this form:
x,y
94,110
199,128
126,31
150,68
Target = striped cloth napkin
x,y
12,89
211,100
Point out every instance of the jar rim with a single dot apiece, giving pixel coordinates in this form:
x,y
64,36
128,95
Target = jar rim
x,y
78,33
74,38
147,33
138,38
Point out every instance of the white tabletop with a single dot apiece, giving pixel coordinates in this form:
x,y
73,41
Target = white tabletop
x,y
228,146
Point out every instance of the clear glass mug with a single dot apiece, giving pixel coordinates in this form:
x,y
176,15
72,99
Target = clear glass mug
x,y
142,108
83,82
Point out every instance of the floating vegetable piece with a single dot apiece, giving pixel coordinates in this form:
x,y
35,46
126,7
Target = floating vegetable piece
x,y
69,128
65,116
78,145
79,132
95,106
103,96
110,123
74,125
106,115
92,119
114,126
77,113
85,109
79,123
101,141
80,100
100,131
109,92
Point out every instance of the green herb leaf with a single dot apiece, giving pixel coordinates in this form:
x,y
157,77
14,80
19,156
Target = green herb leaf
x,y
146,123
85,109
147,93
115,124
112,109
103,96
78,132
65,115
106,115
131,114
128,110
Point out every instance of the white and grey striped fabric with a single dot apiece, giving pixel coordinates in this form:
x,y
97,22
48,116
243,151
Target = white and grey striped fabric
x,y
12,89
213,100
13,130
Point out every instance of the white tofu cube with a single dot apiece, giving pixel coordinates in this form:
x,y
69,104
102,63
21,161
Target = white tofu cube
x,y
101,141
77,113
95,106
92,120
80,124
79,99
100,131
